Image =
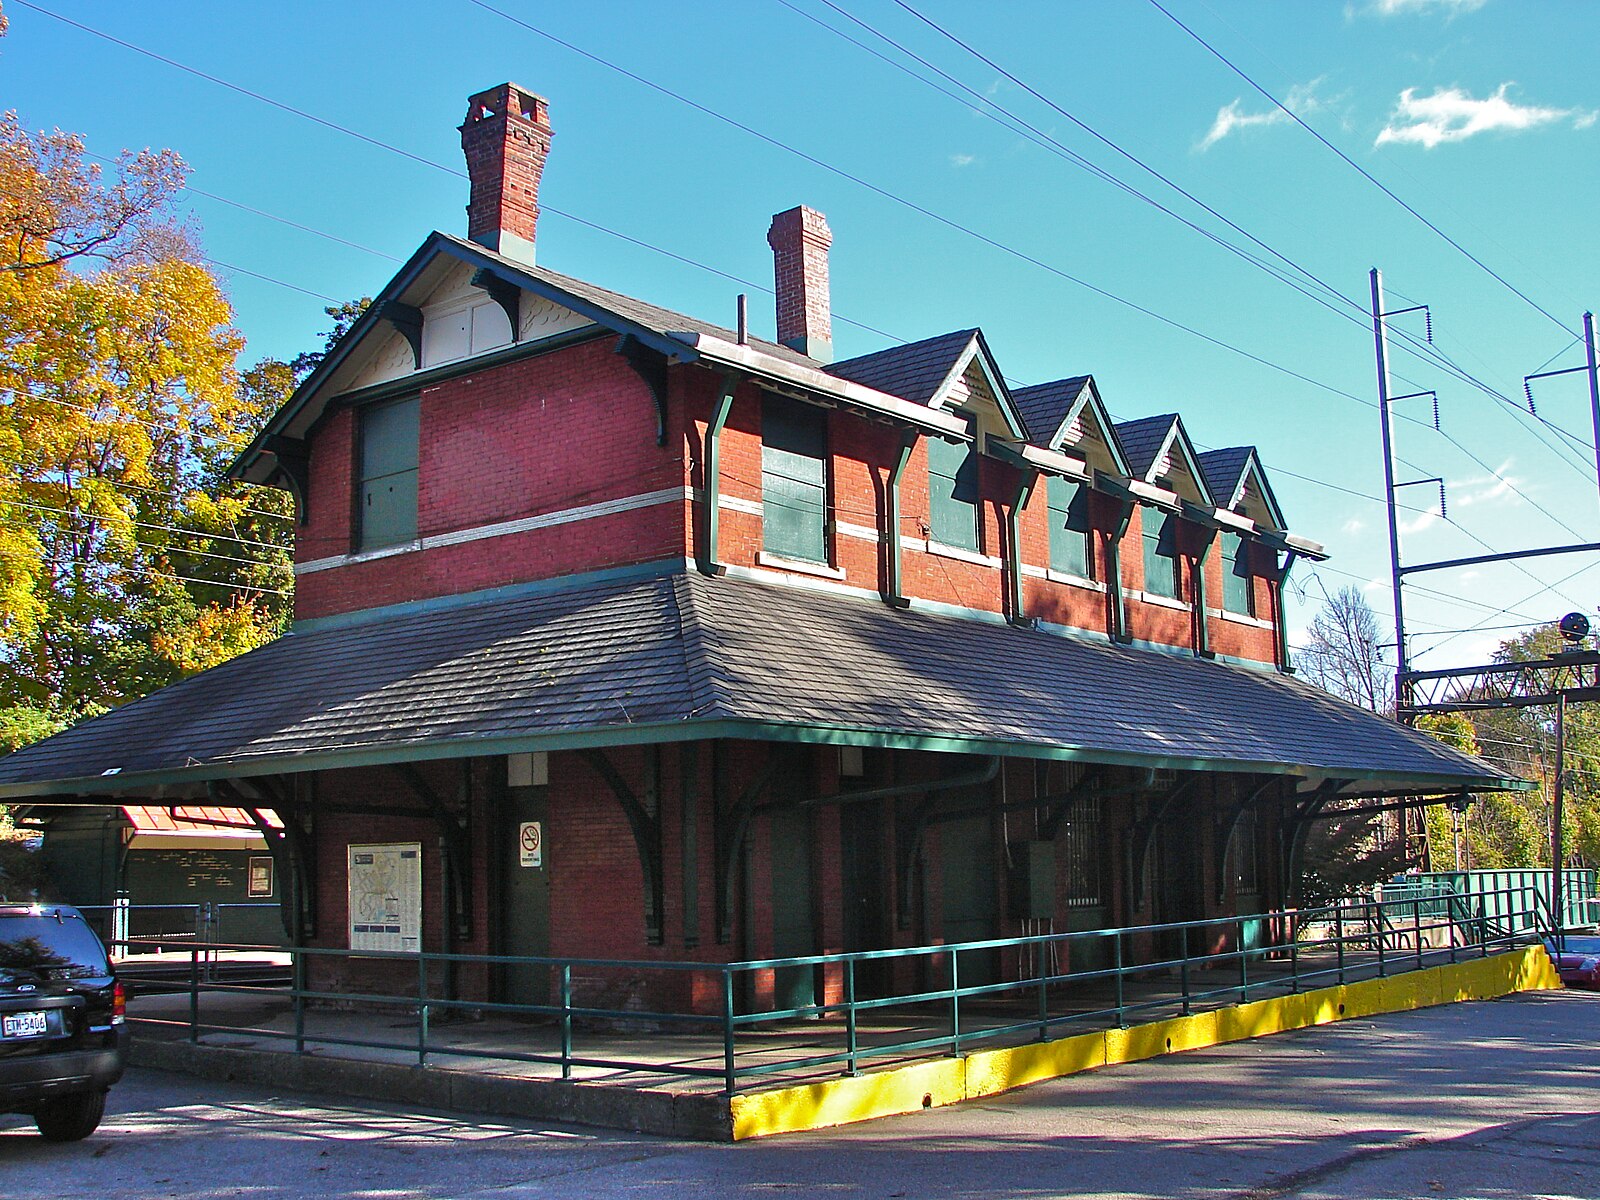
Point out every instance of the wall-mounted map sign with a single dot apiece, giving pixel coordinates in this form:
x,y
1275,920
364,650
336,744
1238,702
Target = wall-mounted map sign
x,y
386,896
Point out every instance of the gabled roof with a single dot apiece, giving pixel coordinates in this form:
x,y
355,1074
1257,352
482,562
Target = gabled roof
x,y
1144,439
1225,472
1049,409
1229,472
670,333
925,372
681,657
1148,440
915,371
1046,407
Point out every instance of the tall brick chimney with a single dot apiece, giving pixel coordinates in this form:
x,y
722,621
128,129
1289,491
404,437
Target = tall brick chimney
x,y
506,138
800,239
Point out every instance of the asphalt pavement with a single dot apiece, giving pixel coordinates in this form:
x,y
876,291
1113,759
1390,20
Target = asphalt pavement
x,y
1490,1100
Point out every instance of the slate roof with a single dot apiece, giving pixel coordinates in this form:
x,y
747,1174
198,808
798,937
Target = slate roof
x,y
686,656
1223,469
1044,406
913,371
1141,440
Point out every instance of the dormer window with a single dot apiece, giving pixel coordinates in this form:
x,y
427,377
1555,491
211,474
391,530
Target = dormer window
x,y
953,492
387,497
1237,595
1160,554
794,480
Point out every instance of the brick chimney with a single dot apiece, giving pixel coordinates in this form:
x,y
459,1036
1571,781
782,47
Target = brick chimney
x,y
506,138
800,239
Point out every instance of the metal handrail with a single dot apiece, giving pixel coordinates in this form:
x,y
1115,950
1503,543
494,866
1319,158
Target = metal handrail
x,y
946,1009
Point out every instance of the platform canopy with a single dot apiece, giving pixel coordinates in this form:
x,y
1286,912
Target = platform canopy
x,y
671,656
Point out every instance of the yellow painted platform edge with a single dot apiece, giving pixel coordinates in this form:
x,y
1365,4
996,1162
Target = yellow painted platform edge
x,y
938,1082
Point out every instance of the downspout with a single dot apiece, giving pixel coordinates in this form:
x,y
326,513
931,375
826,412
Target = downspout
x,y
1280,630
1025,485
1202,634
893,588
712,477
1115,599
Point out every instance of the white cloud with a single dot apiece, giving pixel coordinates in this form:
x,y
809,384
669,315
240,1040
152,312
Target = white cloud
x,y
1231,117
1450,115
1423,520
1451,8
1501,488
1352,527
963,160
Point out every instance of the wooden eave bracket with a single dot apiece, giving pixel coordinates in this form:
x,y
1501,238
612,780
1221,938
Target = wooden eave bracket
x,y
406,319
504,293
646,828
649,365
293,457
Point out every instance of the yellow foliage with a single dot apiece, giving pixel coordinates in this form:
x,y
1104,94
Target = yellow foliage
x,y
119,397
216,633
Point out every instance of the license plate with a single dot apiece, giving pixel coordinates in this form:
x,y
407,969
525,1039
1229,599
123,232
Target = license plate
x,y
25,1024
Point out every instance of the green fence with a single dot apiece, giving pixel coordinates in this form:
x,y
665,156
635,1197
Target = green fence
x,y
1489,894
926,1000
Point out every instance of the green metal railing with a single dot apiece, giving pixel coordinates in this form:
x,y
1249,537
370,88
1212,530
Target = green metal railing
x,y
871,1006
1580,892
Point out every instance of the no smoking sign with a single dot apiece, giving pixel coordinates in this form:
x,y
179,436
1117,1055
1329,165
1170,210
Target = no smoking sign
x,y
530,844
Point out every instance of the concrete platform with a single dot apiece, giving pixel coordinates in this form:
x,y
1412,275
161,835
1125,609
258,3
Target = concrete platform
x,y
466,1073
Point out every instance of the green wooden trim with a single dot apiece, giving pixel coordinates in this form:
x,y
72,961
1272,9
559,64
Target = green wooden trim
x,y
893,555
1202,640
712,483
1019,501
1118,596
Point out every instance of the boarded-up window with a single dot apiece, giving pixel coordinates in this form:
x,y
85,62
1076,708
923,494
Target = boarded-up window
x,y
388,497
1079,842
1068,509
1160,555
953,492
794,480
1236,590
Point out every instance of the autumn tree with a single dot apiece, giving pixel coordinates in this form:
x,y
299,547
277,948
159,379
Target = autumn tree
x,y
126,560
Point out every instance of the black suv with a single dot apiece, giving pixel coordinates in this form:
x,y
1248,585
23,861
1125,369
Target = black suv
x,y
62,1037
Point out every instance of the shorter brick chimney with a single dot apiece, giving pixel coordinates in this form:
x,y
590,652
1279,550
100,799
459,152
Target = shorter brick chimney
x,y
506,138
800,239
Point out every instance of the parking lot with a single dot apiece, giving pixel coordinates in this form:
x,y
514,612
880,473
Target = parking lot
x,y
1496,1099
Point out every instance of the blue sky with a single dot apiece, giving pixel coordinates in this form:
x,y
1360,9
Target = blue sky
x,y
1481,114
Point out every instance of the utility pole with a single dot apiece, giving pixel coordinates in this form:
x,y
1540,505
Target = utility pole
x,y
1558,843
1380,339
1407,681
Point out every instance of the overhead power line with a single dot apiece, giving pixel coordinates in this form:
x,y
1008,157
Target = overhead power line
x,y
753,132
1365,174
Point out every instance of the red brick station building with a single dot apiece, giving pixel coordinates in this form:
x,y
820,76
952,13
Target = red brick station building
x,y
623,635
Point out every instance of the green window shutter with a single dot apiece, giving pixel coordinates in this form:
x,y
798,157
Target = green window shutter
x,y
953,493
1160,562
388,492
1067,508
794,480
1235,576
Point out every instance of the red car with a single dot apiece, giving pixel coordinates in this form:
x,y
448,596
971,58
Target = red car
x,y
1578,961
